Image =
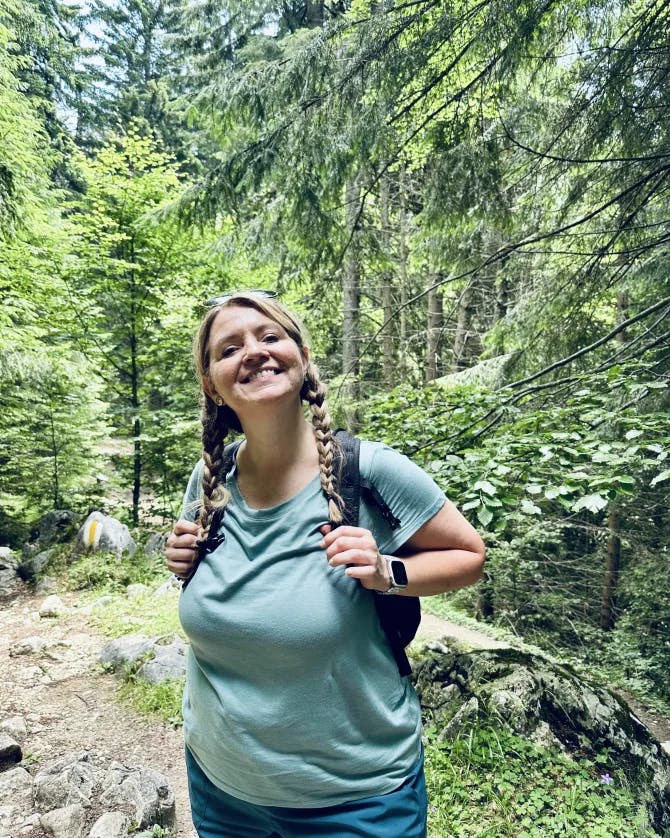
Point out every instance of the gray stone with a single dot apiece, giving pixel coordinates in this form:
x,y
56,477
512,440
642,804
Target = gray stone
x,y
27,646
136,590
35,564
56,527
168,663
8,559
67,822
545,702
53,606
65,781
169,587
102,533
15,726
155,544
125,650
10,751
146,792
14,782
46,585
110,825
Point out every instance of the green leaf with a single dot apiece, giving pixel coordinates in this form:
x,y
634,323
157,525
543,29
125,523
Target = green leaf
x,y
485,486
533,489
484,516
594,503
660,477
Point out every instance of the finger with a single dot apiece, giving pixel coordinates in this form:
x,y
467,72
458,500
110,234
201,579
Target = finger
x,y
183,527
325,529
329,537
356,557
365,574
363,542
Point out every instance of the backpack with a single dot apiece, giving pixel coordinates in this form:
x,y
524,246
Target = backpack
x,y
399,616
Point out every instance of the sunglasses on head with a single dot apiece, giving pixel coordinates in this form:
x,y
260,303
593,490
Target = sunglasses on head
x,y
222,299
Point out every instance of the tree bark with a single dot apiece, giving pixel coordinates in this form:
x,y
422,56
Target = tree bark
x,y
314,14
351,293
432,366
389,367
466,310
612,569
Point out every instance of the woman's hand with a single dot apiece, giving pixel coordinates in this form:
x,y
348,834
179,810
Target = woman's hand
x,y
180,548
356,548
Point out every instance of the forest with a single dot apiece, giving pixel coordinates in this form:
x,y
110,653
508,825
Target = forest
x,y
468,201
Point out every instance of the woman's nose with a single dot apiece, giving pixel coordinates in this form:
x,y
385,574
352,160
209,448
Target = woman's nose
x,y
254,348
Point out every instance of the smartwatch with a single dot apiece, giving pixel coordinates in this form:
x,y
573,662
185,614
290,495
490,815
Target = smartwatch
x,y
397,575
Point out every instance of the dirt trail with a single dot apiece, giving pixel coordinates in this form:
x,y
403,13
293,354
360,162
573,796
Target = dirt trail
x,y
69,705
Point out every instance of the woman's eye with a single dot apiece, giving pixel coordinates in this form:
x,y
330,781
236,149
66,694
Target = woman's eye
x,y
271,338
227,352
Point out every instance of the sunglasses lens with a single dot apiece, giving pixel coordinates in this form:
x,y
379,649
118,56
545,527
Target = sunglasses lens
x,y
253,292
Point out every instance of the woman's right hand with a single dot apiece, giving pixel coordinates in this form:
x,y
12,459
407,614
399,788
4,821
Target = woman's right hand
x,y
180,548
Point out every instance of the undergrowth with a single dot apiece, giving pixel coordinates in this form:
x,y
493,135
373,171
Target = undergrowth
x,y
490,783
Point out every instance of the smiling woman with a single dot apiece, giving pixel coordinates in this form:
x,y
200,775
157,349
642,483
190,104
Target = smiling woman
x,y
297,720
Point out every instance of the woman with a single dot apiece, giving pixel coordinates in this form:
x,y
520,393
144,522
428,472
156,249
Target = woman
x,y
296,719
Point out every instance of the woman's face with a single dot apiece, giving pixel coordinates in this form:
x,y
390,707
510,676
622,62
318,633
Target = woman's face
x,y
252,361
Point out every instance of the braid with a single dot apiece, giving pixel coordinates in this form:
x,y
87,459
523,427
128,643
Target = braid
x,y
214,429
315,392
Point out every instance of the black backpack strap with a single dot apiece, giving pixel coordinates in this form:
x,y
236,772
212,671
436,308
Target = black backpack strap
x,y
399,616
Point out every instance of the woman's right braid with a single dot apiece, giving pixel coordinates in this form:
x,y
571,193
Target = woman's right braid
x,y
315,392
214,430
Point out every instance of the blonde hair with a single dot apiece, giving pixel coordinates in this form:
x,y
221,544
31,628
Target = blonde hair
x,y
218,420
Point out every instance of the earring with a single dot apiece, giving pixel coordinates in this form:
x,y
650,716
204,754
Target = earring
x,y
219,401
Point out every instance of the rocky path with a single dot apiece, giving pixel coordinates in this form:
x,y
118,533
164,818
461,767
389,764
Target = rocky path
x,y
69,705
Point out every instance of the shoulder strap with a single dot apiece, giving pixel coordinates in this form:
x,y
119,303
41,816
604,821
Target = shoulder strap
x,y
399,616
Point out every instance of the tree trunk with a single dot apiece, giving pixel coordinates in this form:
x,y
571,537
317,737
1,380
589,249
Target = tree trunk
x,y
612,568
432,367
134,394
389,367
403,257
54,450
351,292
466,311
314,14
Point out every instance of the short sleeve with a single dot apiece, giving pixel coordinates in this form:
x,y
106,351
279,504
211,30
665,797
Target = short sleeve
x,y
190,504
411,494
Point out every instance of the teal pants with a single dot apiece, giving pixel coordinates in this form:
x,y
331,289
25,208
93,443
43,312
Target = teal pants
x,y
398,814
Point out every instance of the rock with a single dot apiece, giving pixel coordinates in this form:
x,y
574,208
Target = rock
x,y
9,582
56,527
65,781
103,533
170,586
53,606
110,825
666,746
168,663
14,782
136,590
146,792
67,822
30,567
125,650
10,751
544,701
155,544
46,585
15,726
27,646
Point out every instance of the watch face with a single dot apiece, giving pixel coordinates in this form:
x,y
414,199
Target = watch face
x,y
399,573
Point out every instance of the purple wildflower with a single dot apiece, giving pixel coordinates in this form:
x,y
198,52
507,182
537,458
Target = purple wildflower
x,y
606,780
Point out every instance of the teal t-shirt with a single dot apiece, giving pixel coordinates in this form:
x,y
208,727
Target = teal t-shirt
x,y
293,697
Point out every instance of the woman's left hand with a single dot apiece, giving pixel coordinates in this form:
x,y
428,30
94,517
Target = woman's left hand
x,y
356,548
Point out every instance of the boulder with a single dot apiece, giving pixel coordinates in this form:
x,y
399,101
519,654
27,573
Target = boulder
x,y
9,582
53,606
27,646
65,781
102,533
155,544
10,752
111,825
67,822
125,650
168,663
146,793
35,564
542,701
56,527
15,726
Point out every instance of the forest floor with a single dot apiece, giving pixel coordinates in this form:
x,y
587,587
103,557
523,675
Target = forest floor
x,y
70,704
